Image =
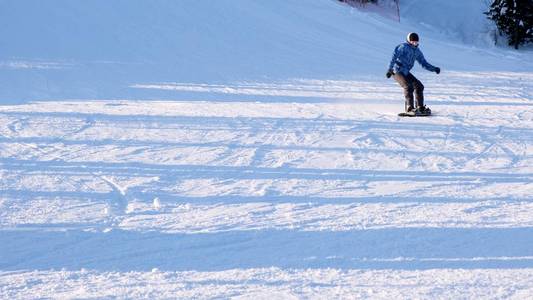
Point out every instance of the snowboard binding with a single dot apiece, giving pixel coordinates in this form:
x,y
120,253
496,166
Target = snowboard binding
x,y
422,111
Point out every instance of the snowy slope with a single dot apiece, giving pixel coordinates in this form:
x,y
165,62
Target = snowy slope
x,y
460,21
96,49
251,149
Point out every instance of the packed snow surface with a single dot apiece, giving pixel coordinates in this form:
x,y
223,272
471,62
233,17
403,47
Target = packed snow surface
x,y
252,149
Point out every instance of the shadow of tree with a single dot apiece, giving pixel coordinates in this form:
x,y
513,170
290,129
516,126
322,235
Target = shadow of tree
x,y
403,248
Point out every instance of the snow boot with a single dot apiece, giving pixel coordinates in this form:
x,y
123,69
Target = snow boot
x,y
423,110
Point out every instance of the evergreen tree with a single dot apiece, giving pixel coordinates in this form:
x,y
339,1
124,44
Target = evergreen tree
x,y
514,18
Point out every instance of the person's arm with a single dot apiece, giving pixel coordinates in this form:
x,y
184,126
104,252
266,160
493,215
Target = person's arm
x,y
422,61
395,54
394,57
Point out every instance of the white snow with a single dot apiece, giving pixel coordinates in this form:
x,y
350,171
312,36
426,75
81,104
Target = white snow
x,y
460,21
252,149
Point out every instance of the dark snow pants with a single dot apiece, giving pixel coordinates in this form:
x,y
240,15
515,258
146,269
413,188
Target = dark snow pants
x,y
410,84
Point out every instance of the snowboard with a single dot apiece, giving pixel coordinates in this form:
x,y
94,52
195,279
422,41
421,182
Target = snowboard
x,y
416,114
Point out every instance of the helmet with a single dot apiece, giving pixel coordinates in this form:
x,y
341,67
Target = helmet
x,y
412,37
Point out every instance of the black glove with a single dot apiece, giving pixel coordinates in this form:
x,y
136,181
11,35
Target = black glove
x,y
437,70
389,73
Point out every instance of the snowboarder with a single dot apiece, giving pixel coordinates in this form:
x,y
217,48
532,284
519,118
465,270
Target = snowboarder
x,y
403,60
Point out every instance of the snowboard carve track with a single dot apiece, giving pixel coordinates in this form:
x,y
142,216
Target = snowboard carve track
x,y
259,154
256,182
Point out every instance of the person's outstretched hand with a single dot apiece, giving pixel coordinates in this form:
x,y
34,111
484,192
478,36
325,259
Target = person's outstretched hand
x,y
437,70
390,73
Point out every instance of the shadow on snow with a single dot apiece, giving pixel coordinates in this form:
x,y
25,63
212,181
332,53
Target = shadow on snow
x,y
406,248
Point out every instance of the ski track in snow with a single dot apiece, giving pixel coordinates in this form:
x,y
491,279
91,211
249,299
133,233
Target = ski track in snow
x,y
252,149
219,199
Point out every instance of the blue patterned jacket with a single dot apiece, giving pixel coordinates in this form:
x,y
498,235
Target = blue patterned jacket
x,y
403,59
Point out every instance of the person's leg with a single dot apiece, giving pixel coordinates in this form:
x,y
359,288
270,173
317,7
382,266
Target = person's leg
x,y
408,89
419,90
